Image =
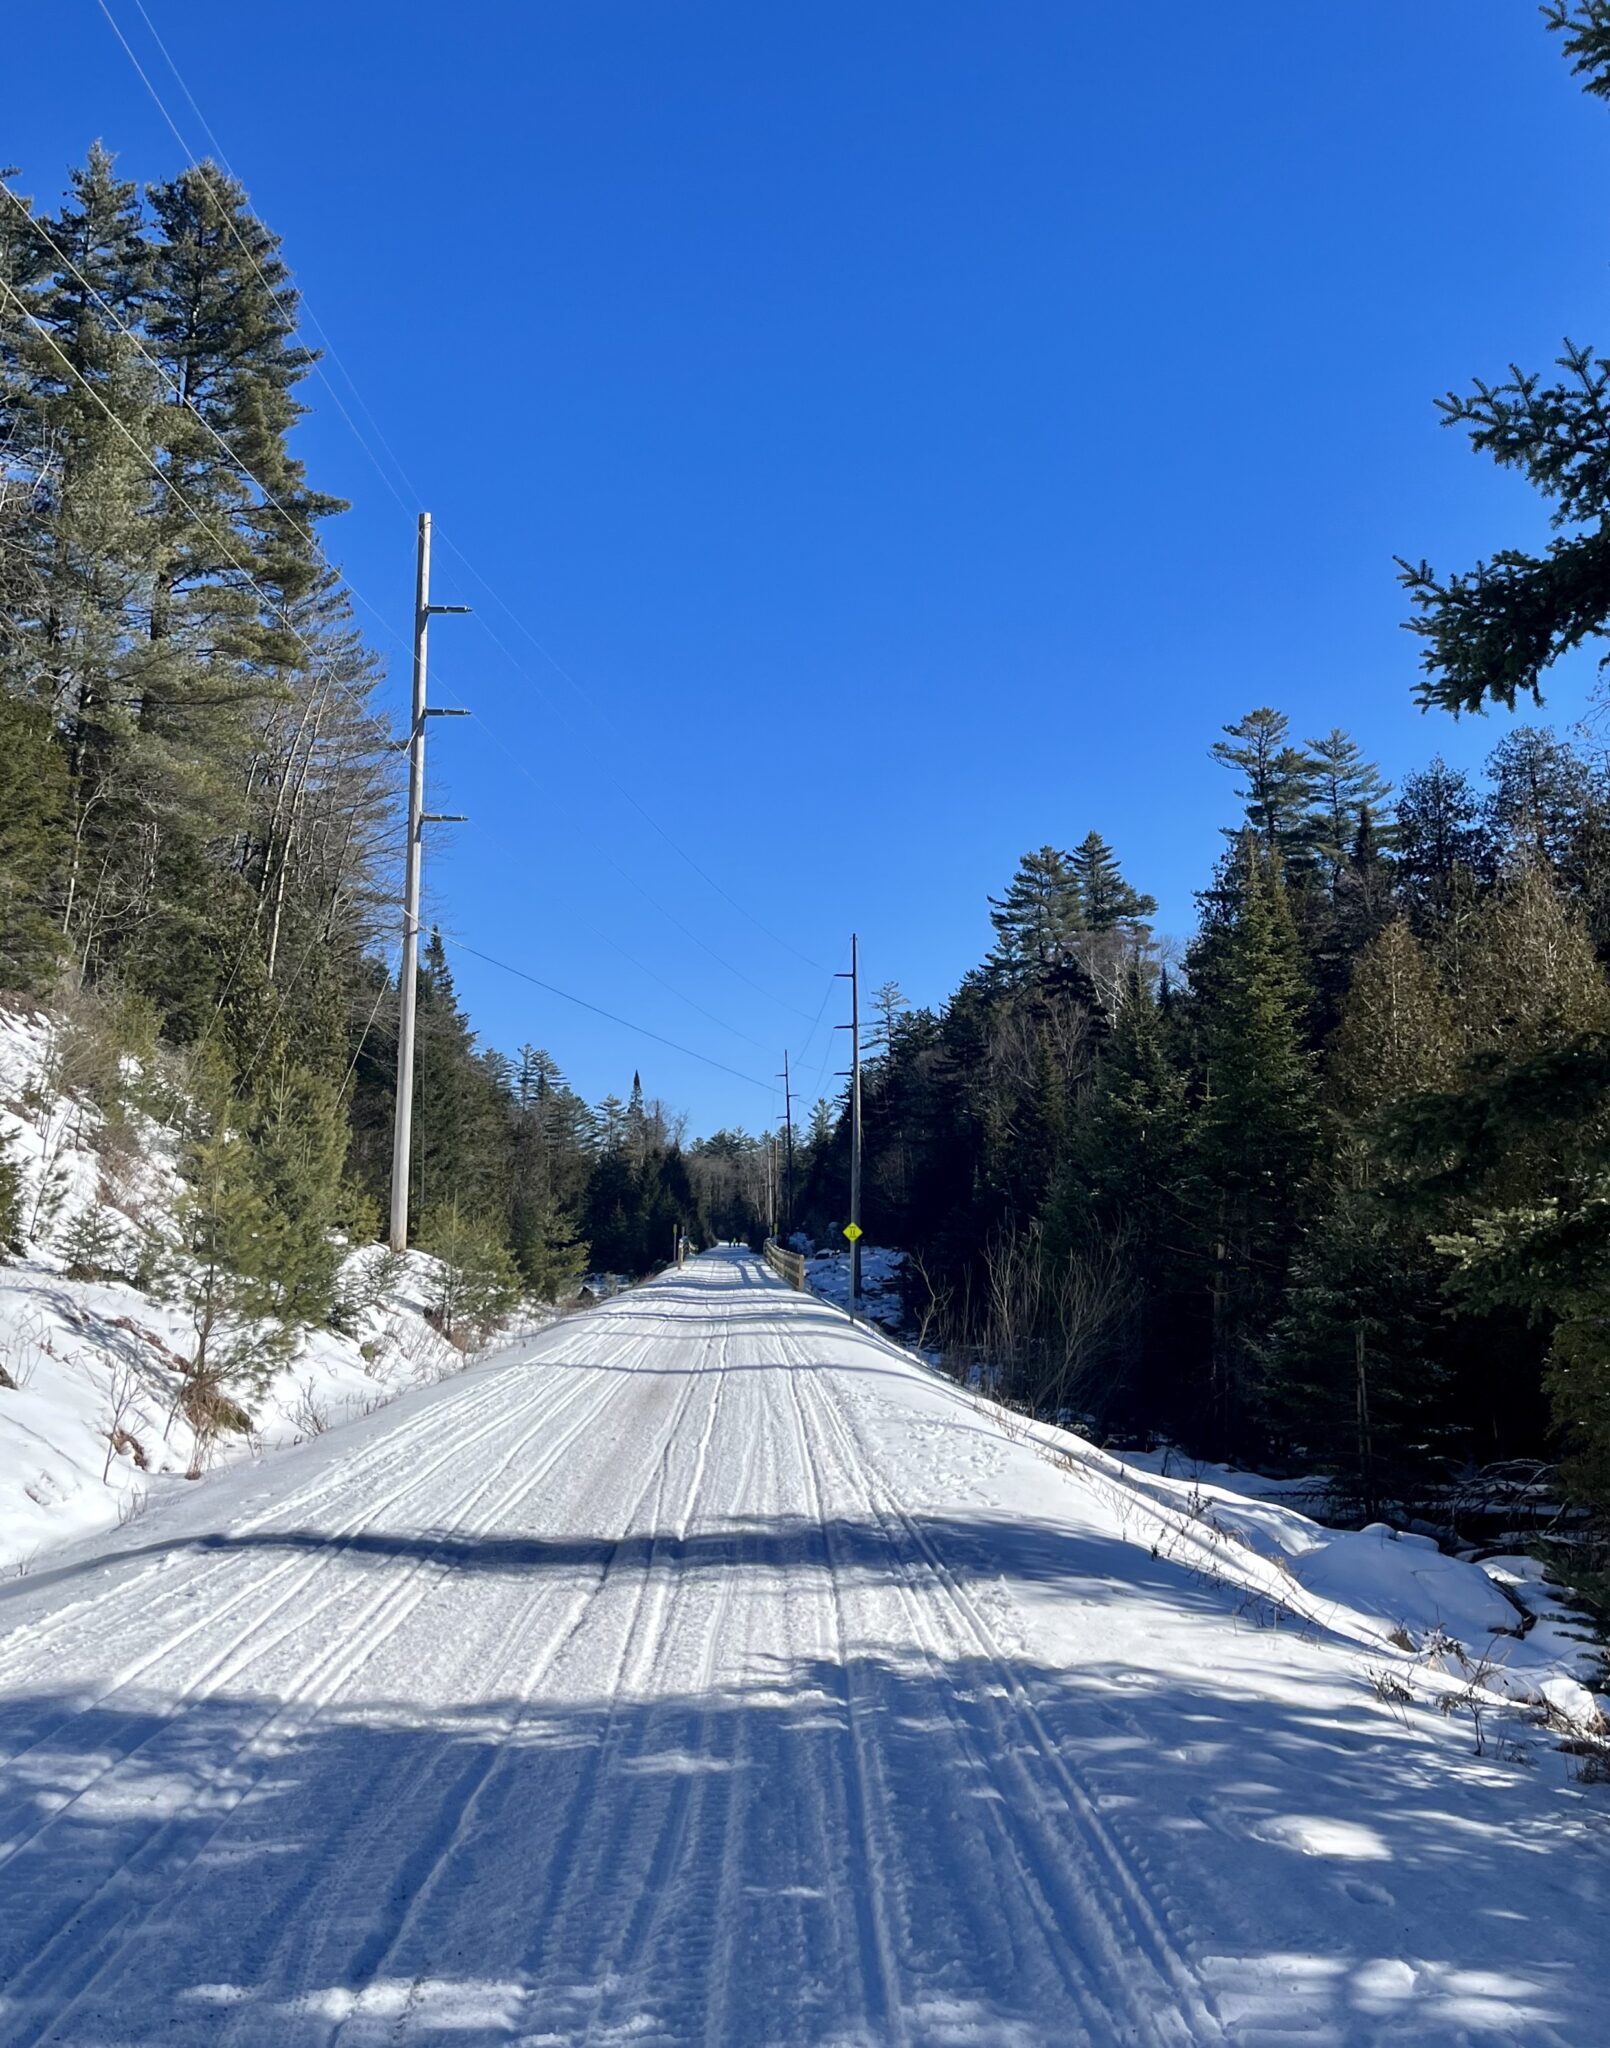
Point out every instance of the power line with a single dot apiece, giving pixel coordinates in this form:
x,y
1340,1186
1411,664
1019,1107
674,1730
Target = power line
x,y
190,155
581,1002
269,603
130,333
308,311
653,901
497,598
495,595
643,812
38,227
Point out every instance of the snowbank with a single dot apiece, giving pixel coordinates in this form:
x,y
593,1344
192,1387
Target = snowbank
x,y
1443,1625
1436,1626
92,1423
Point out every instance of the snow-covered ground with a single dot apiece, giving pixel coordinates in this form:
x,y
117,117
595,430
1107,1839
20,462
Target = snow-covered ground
x,y
705,1670
91,1427
828,1274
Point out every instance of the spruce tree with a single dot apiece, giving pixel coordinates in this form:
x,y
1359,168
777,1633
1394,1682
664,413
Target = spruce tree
x,y
1356,1358
1128,1187
1106,901
1257,1132
1541,792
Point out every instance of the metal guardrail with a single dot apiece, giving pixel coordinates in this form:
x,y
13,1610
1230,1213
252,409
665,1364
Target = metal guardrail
x,y
787,1265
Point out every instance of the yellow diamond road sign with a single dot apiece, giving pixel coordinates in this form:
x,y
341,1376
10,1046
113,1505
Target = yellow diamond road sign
x,y
852,1231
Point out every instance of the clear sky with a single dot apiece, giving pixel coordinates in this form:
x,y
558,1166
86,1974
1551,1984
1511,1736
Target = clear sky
x,y
913,430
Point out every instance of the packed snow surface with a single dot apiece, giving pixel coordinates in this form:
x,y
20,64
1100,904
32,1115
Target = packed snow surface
x,y
703,1670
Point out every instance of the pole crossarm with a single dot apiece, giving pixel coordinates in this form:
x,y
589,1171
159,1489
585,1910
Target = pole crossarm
x,y
418,819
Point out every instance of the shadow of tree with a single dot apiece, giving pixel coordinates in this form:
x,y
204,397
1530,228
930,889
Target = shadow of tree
x,y
825,1850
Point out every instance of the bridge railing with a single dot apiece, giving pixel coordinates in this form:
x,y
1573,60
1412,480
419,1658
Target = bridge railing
x,y
787,1265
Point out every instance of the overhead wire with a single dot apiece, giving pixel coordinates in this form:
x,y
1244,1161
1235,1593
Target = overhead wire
x,y
252,583
496,596
179,137
597,1009
38,227
643,812
68,265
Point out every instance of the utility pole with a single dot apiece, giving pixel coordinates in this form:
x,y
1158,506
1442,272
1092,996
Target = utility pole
x,y
418,819
852,1229
788,1167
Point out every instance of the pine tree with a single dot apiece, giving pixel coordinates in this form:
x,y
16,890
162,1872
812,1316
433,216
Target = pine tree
x,y
227,1241
297,1130
1279,783
32,799
1344,785
1493,631
887,1005
1542,790
461,1151
1128,1183
547,1251
1446,857
1106,901
1038,921
1529,979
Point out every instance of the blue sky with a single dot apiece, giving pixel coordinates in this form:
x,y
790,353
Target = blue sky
x,y
912,430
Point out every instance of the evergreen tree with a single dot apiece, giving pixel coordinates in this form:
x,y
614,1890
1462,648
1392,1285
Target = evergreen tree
x,y
1128,1181
1038,921
1257,1131
1343,786
1445,853
32,795
1542,791
1356,1354
1279,780
1106,901
1491,632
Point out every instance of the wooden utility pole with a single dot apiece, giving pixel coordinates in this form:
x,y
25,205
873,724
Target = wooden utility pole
x,y
418,819
788,1163
853,1227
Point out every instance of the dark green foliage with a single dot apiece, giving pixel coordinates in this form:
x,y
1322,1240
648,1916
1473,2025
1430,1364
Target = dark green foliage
x,y
1106,901
1038,920
10,1199
197,793
1258,1126
33,783
1445,853
1280,784
477,1282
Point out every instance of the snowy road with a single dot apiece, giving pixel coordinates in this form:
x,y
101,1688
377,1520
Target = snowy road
x,y
704,1673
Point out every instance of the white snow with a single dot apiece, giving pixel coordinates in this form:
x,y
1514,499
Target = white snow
x,y
828,1274
91,1432
705,1670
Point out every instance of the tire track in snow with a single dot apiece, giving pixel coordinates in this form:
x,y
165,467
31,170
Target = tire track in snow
x,y
21,1646
883,2007
1143,1922
378,1618
373,2016
363,1847
25,1647
668,1873
298,1570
